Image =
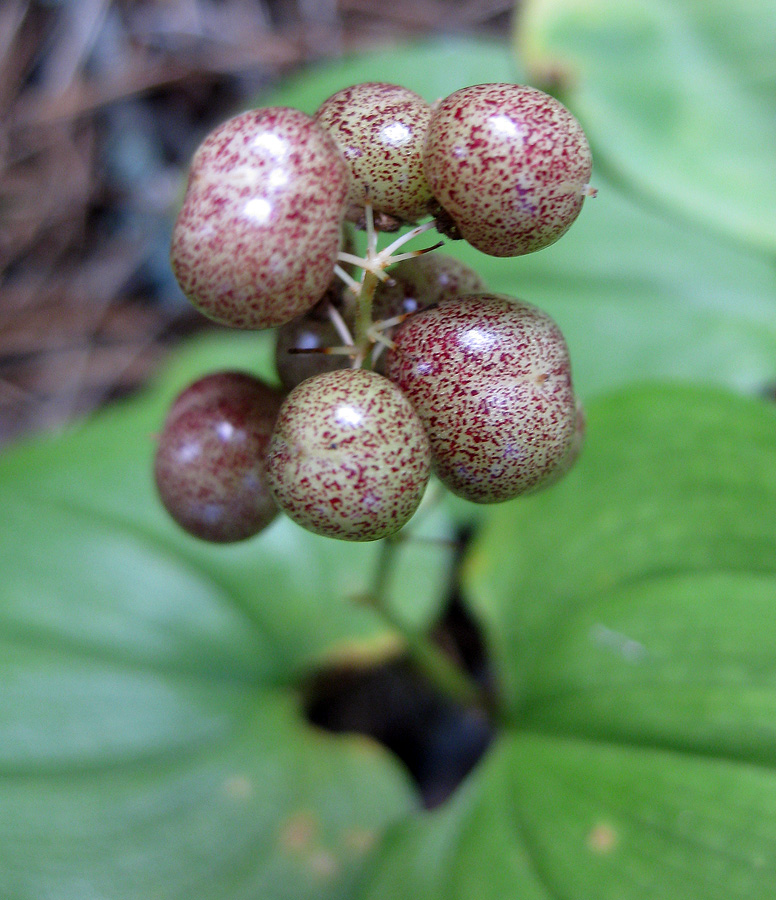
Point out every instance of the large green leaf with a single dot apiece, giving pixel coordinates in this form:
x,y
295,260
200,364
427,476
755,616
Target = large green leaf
x,y
649,567
257,807
152,743
678,98
743,36
101,474
630,614
549,817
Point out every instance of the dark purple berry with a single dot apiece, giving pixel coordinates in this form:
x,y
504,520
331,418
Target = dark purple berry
x,y
210,465
313,331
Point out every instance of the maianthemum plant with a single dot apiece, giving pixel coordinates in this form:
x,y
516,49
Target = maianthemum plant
x,y
152,735
475,385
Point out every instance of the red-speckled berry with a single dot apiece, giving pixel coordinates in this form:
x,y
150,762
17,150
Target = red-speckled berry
x,y
572,454
509,164
312,331
380,129
211,459
348,458
490,378
257,239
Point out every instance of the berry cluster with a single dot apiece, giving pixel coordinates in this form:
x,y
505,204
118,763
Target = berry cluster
x,y
386,376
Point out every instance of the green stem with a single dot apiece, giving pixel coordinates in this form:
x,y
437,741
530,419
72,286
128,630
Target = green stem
x,y
449,678
441,671
364,312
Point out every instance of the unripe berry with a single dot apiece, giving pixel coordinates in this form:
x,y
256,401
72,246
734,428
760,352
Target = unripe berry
x,y
257,239
490,378
380,129
348,458
509,164
210,465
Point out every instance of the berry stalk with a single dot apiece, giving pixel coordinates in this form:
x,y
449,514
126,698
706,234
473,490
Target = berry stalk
x,y
447,677
373,265
363,325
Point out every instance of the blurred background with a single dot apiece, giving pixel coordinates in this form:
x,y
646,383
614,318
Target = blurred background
x,y
102,103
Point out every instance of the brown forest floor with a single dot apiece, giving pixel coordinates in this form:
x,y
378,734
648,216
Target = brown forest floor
x,y
102,103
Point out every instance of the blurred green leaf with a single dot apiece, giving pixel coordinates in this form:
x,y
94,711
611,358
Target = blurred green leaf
x,y
258,807
639,296
679,99
647,569
743,37
433,69
550,816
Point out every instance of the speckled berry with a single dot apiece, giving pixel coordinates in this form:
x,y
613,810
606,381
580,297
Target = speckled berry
x,y
348,458
257,239
509,164
212,389
419,283
424,281
312,331
380,129
572,454
490,378
211,458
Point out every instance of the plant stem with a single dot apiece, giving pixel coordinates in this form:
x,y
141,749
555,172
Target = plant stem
x,y
449,678
364,312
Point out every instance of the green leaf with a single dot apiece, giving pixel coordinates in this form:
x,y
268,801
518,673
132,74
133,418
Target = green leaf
x,y
629,614
673,99
639,296
261,807
644,570
152,743
549,817
433,69
103,472
743,36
